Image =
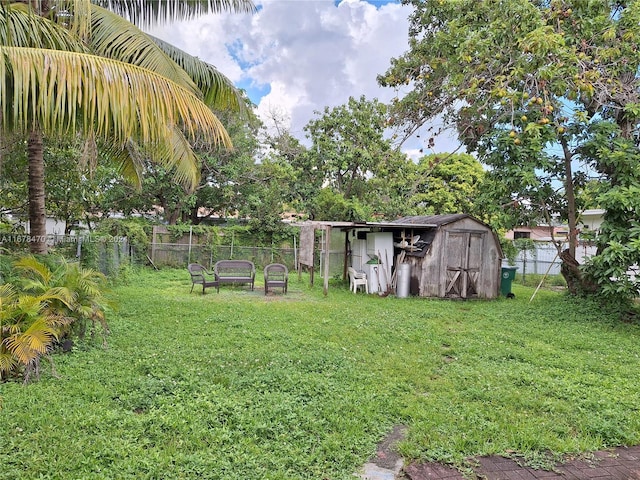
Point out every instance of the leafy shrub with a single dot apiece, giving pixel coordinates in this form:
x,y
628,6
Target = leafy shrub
x,y
47,302
28,329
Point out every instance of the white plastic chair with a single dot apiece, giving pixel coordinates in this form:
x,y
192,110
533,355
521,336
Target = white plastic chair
x,y
357,279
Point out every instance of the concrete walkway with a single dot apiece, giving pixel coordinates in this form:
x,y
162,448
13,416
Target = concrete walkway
x,y
621,463
387,463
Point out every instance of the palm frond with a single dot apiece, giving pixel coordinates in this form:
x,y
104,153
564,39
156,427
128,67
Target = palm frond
x,y
59,322
176,154
114,37
74,14
33,342
218,91
130,163
8,362
146,13
91,281
127,159
8,305
7,292
52,89
86,282
62,294
31,265
28,307
20,27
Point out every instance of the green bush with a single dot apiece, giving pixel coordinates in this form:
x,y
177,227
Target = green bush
x,y
49,300
136,230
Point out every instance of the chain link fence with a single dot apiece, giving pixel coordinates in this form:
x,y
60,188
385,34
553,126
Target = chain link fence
x,y
180,255
106,254
109,254
543,259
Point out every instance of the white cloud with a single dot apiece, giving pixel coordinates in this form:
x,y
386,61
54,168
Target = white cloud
x,y
297,57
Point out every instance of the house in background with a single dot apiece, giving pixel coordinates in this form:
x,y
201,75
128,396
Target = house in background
x,y
544,259
588,221
53,226
540,233
591,220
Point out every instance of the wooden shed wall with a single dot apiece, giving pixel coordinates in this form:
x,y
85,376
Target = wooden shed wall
x,y
431,275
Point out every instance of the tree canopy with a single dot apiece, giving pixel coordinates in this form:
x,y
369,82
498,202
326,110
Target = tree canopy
x,y
545,93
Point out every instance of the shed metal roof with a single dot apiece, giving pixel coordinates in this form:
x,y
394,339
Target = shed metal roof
x,y
431,220
427,221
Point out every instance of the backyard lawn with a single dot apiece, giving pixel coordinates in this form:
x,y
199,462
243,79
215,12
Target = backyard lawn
x,y
237,385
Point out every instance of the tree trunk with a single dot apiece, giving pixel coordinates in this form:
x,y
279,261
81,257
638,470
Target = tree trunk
x,y
570,270
571,199
171,215
193,215
37,215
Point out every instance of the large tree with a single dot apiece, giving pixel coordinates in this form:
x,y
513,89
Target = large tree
x,y
71,66
282,151
447,183
349,146
539,89
227,175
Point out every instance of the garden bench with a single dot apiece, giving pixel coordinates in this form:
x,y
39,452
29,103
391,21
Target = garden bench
x,y
234,272
201,276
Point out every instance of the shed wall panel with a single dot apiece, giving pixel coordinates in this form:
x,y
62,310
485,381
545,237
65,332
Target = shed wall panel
x,y
466,245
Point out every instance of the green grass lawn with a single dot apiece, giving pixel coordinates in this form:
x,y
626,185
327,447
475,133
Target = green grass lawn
x,y
237,385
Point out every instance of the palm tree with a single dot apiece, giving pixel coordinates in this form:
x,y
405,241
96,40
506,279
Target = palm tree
x,y
45,304
76,68
28,328
81,288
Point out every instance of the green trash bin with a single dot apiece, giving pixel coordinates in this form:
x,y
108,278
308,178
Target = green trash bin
x,y
507,278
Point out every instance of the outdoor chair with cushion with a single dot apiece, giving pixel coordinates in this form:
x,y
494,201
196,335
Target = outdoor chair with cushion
x,y
276,275
201,276
357,279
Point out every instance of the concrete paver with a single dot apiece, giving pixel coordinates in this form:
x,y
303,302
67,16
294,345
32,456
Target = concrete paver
x,y
621,463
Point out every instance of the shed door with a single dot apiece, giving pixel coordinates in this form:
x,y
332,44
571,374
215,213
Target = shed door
x,y
463,261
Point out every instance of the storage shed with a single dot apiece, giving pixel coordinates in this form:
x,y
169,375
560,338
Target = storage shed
x,y
450,256
444,256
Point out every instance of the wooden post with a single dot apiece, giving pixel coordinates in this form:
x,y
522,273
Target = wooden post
x,y
295,252
346,255
153,244
327,245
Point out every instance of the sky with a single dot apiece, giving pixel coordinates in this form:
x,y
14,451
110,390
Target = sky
x,y
296,57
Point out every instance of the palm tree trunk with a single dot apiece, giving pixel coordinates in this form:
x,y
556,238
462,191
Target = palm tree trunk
x,y
37,216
